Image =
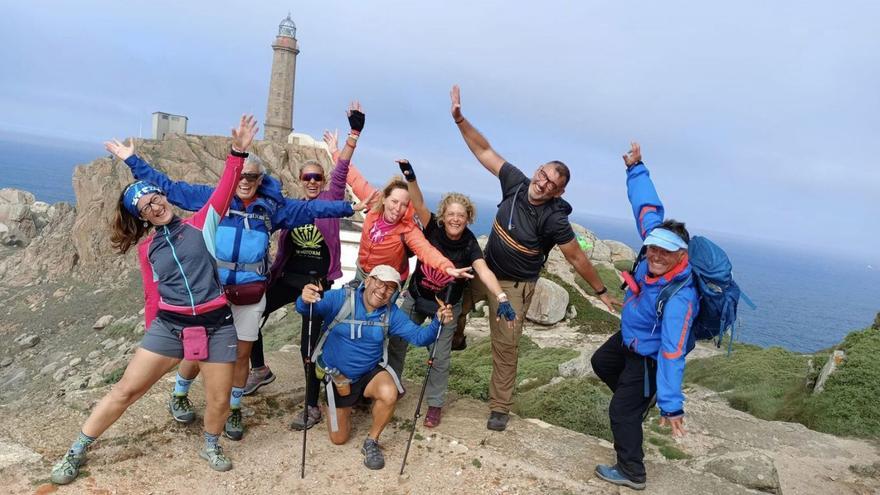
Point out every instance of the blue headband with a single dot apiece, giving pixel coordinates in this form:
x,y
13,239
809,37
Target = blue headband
x,y
136,191
665,239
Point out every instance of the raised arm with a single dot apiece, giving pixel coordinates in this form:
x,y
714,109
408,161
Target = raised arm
x,y
208,217
646,206
356,120
181,194
416,199
477,143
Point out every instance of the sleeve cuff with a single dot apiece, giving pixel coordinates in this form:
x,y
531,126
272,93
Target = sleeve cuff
x,y
239,154
673,414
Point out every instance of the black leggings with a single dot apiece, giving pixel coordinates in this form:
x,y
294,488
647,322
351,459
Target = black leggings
x,y
279,295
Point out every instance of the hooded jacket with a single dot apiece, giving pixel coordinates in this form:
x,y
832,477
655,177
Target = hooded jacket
x,y
666,340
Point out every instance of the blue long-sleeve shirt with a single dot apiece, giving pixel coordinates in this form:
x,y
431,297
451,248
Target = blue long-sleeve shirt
x,y
666,340
357,356
240,240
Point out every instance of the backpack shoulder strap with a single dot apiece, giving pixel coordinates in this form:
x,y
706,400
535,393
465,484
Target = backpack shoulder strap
x,y
667,292
344,312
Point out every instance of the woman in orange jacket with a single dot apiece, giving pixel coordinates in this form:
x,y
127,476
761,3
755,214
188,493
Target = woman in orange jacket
x,y
389,227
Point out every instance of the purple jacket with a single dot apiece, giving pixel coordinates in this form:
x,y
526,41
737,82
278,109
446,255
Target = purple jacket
x,y
329,228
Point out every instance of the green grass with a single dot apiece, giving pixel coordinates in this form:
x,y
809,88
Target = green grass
x,y
609,278
589,319
772,384
471,368
285,331
114,376
758,381
476,463
579,404
673,453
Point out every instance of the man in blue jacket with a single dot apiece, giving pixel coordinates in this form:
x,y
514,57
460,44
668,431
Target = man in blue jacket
x,y
353,352
242,243
647,356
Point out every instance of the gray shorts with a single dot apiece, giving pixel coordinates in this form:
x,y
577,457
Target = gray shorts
x,y
164,338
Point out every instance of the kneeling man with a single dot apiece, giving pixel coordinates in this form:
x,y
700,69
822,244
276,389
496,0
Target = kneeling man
x,y
352,353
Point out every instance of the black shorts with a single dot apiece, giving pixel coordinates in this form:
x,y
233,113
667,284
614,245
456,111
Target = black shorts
x,y
357,389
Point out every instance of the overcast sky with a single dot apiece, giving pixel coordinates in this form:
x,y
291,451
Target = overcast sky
x,y
756,118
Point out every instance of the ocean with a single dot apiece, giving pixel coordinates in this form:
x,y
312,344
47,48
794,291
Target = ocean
x,y
807,300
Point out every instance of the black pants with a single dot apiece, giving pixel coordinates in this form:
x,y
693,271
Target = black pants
x,y
625,372
278,295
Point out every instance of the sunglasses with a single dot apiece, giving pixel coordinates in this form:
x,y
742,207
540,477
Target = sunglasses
x,y
312,177
251,177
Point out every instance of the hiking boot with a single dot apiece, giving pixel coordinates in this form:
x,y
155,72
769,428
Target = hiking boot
x,y
313,419
459,345
373,457
216,459
234,429
613,475
181,409
432,418
67,469
258,377
497,421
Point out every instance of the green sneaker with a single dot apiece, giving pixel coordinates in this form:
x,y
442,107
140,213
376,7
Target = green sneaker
x,y
67,469
216,459
234,429
181,409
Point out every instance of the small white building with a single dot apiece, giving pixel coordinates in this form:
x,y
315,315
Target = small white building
x,y
166,123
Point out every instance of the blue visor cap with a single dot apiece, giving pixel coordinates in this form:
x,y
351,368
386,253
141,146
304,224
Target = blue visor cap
x,y
136,191
665,239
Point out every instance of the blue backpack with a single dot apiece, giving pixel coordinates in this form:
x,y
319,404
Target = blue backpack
x,y
719,294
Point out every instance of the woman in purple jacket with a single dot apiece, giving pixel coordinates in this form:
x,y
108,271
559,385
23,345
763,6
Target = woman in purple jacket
x,y
310,248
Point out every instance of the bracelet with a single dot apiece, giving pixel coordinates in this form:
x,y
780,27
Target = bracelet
x,y
355,132
603,291
353,136
459,121
240,154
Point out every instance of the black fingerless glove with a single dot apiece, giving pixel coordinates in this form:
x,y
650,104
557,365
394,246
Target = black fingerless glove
x,y
408,173
356,120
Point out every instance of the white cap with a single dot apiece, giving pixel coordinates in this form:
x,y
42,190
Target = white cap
x,y
386,274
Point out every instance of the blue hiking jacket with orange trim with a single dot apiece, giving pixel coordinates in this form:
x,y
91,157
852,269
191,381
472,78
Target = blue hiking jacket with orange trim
x,y
666,341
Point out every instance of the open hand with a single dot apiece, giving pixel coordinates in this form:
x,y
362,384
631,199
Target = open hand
x,y
119,150
311,293
677,425
363,205
331,139
634,155
612,303
243,136
455,96
460,272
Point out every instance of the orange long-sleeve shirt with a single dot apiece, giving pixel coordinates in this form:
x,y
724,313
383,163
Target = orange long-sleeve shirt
x,y
390,250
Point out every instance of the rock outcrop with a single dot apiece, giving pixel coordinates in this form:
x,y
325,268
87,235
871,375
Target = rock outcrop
x,y
549,303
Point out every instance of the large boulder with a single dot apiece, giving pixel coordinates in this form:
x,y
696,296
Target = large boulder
x,y
620,251
750,469
549,303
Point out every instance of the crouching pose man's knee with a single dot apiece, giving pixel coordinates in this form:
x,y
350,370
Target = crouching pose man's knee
x,y
647,356
352,353
185,308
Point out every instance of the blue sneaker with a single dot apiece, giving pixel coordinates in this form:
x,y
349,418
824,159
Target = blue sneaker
x,y
612,475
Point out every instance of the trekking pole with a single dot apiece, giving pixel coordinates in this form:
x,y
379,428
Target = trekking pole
x,y
309,371
430,363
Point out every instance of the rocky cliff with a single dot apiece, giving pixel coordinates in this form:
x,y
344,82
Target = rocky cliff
x,y
72,318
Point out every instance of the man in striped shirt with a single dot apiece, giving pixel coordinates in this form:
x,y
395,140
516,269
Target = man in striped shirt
x,y
532,218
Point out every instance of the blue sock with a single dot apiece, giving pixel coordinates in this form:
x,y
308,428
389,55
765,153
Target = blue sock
x,y
235,397
81,443
211,440
181,385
